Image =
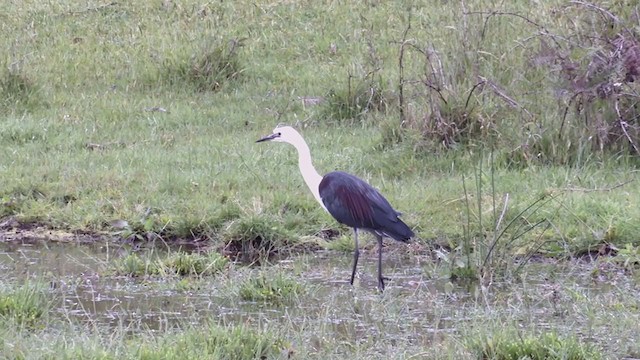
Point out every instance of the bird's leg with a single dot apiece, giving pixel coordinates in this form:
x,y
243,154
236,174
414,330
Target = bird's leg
x,y
380,278
356,253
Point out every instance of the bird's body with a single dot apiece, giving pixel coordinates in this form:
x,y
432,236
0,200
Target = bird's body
x,y
356,204
349,199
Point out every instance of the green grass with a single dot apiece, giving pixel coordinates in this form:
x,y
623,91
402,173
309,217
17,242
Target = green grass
x,y
216,342
343,243
97,149
209,68
507,346
419,315
175,263
25,305
275,288
210,341
17,89
145,115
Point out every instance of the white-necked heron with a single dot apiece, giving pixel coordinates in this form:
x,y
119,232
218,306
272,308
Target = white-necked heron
x,y
350,200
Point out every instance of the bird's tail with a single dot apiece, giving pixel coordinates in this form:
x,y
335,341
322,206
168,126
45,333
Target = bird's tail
x,y
399,231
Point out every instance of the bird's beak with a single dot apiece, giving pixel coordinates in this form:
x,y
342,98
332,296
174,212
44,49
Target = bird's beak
x,y
268,137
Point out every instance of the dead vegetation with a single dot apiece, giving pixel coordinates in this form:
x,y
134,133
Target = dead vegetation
x,y
591,69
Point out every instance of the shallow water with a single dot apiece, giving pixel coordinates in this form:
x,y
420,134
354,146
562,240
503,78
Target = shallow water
x,y
418,305
90,291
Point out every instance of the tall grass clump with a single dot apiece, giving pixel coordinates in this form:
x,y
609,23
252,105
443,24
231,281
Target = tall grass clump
x,y
207,68
178,263
494,230
359,95
355,100
440,91
17,89
508,345
256,237
596,68
215,342
541,90
275,288
26,304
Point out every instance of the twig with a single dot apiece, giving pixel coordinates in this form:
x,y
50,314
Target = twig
x,y
504,210
604,189
466,104
401,72
566,111
607,13
465,27
623,126
434,88
504,96
493,13
95,8
503,13
592,6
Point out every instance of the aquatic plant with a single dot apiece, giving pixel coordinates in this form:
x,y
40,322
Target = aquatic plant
x,y
275,288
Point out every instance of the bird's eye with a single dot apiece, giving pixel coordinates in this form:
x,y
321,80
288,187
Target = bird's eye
x,y
279,134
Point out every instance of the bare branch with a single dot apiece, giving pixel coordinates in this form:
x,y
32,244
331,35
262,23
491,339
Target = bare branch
x,y
95,8
504,210
602,189
623,126
504,96
505,13
466,104
592,6
401,72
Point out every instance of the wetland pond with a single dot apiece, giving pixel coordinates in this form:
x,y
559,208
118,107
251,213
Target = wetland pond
x,y
421,308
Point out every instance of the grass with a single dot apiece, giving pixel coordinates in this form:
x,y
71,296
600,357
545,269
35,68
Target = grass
x,y
343,243
419,315
493,243
505,346
276,288
206,70
25,305
176,263
218,342
174,158
209,341
255,237
17,89
145,115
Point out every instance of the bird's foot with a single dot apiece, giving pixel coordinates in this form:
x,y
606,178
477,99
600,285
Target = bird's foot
x,y
381,283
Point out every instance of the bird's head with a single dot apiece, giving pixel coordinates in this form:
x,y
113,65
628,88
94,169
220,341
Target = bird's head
x,y
283,134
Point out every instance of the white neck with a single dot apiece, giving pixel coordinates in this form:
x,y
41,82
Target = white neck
x,y
309,173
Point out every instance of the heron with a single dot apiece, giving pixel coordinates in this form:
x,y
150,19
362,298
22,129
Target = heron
x,y
349,199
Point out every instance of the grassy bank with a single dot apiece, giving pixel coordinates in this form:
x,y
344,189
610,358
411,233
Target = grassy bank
x,y
145,115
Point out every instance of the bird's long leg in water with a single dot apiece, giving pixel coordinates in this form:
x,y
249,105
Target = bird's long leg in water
x,y
380,277
356,253
350,200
